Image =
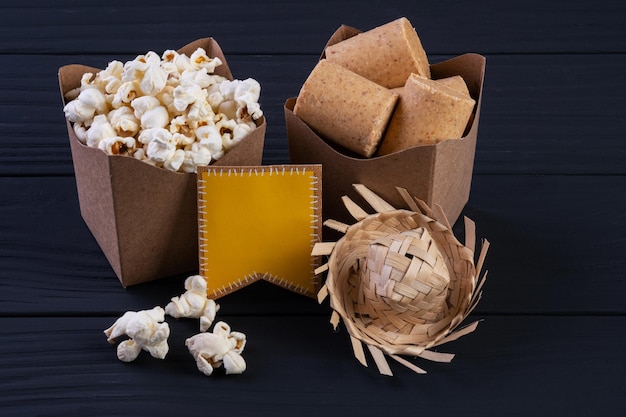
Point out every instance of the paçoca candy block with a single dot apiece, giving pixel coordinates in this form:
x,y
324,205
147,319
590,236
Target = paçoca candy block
x,y
427,112
387,54
344,107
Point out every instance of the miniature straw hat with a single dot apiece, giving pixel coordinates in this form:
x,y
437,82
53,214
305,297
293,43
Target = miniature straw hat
x,y
400,281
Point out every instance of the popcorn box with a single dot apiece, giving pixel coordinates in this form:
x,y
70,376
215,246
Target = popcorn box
x,y
437,174
143,217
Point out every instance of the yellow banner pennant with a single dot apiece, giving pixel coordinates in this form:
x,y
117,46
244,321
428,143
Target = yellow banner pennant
x,y
259,222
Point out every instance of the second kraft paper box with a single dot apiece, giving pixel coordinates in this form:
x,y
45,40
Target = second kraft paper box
x,y
438,174
144,218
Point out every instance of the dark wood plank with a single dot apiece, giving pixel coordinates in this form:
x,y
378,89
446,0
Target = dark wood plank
x,y
448,27
540,114
514,366
548,235
552,115
548,192
557,247
49,253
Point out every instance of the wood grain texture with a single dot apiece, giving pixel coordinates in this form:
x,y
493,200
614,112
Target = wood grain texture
x,y
514,366
281,27
548,192
541,114
548,233
553,250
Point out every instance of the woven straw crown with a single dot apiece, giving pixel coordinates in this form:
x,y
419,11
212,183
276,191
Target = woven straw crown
x,y
405,273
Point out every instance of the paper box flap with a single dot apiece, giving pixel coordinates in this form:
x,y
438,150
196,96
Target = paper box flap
x,y
143,217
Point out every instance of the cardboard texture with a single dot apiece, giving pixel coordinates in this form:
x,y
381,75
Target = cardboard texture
x,y
259,222
439,174
145,218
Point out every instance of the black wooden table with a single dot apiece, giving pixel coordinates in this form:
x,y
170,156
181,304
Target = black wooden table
x,y
549,192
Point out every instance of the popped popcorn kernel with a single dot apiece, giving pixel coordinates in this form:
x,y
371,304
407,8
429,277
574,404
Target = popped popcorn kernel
x,y
160,150
86,105
199,59
124,121
126,93
100,129
81,132
110,79
220,347
175,161
148,135
171,111
118,145
145,329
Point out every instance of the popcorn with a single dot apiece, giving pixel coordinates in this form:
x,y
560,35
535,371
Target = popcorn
x,y
160,149
148,135
86,81
118,145
126,93
154,78
140,154
166,98
220,347
226,127
84,107
238,99
77,111
183,131
226,108
146,70
179,113
100,129
81,132
187,93
210,136
196,156
175,161
240,131
247,95
110,79
155,117
199,110
194,303
201,77
150,112
124,121
201,152
181,62
199,60
146,330
142,104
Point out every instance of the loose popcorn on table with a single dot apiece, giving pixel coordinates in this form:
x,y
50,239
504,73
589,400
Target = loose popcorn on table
x,y
220,347
169,111
145,330
194,303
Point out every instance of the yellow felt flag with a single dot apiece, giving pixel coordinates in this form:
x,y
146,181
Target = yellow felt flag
x,y
259,222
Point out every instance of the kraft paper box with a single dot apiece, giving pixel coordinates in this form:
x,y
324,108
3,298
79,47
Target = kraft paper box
x,y
145,218
438,174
